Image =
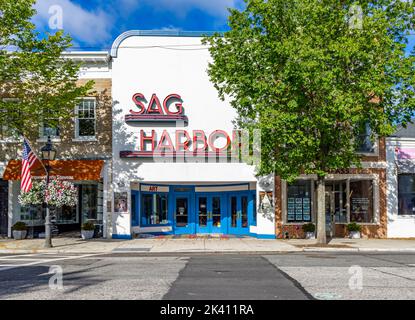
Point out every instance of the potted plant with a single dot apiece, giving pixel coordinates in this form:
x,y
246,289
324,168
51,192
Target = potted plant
x,y
309,230
354,230
19,230
87,230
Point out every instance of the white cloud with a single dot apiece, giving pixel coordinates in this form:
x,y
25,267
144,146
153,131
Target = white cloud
x,y
92,27
182,7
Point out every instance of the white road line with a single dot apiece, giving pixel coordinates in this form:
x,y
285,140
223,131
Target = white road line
x,y
20,259
20,255
9,267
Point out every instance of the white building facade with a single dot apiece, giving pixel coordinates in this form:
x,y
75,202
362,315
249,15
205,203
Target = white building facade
x,y
173,170
400,154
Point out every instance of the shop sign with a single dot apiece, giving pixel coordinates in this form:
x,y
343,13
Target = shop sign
x,y
59,177
178,143
150,188
155,110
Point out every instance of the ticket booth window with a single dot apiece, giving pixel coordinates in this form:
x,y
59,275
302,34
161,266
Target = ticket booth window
x,y
154,209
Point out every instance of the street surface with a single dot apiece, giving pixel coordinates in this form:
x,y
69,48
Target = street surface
x,y
134,275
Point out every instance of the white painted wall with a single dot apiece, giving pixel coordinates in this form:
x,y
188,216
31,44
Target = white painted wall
x,y
163,65
398,226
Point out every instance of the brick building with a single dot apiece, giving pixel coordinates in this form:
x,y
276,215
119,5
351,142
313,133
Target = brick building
x,y
352,195
84,156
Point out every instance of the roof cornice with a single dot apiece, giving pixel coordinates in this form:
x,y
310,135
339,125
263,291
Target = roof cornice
x,y
157,33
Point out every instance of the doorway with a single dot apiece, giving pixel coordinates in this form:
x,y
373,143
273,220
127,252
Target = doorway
x,y
238,213
210,212
182,214
4,204
336,205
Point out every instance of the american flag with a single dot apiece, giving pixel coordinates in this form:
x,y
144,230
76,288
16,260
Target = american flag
x,y
29,159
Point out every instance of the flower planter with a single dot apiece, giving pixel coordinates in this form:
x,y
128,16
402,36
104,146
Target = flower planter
x,y
87,234
310,235
19,235
354,235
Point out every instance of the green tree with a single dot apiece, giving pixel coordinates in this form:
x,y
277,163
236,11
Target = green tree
x,y
310,74
36,82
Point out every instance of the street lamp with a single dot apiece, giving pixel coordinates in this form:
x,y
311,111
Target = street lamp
x,y
48,154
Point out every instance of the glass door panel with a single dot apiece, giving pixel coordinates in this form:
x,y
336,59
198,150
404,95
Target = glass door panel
x,y
244,211
234,212
216,212
182,212
202,212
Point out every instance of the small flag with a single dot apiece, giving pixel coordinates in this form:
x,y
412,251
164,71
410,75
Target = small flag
x,y
29,159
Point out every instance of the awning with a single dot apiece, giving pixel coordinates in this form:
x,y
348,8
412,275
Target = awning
x,y
76,170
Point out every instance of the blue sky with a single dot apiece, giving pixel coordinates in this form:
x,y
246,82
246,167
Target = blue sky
x,y
94,24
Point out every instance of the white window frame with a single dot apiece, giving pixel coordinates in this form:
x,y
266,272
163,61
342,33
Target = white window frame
x,y
85,138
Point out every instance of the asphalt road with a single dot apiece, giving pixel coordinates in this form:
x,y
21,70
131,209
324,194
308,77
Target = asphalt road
x,y
208,277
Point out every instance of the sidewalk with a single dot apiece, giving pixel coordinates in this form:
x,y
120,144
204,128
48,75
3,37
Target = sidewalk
x,y
203,245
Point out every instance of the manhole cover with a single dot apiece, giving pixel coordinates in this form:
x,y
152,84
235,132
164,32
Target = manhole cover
x,y
327,296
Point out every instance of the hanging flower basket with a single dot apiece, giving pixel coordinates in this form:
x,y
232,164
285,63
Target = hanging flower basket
x,y
58,194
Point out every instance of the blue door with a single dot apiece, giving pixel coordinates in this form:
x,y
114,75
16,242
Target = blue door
x,y
182,214
239,212
210,213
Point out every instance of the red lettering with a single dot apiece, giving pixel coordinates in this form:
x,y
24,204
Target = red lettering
x,y
178,105
182,146
165,137
144,138
199,136
153,188
212,138
136,99
154,106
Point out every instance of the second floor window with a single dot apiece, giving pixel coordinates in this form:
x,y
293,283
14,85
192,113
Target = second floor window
x,y
49,129
85,118
365,142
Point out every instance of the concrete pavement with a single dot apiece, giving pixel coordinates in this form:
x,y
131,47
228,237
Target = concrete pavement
x,y
212,276
204,244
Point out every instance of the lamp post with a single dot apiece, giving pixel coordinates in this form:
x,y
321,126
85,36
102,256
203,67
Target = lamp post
x,y
48,154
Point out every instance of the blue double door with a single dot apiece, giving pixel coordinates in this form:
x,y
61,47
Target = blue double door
x,y
212,213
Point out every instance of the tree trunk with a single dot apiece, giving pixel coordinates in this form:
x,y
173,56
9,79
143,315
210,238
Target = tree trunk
x,y
321,212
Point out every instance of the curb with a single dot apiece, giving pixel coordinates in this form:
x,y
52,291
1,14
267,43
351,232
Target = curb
x,y
307,250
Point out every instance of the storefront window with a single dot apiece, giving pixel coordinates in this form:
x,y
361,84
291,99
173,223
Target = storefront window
x,y
406,194
35,215
361,201
154,209
299,201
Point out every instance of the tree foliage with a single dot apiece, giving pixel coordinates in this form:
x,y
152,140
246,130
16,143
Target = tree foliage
x,y
310,76
36,82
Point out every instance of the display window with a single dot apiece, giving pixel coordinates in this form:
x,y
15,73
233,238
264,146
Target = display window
x,y
154,209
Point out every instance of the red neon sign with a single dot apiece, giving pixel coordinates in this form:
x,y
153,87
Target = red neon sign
x,y
155,110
